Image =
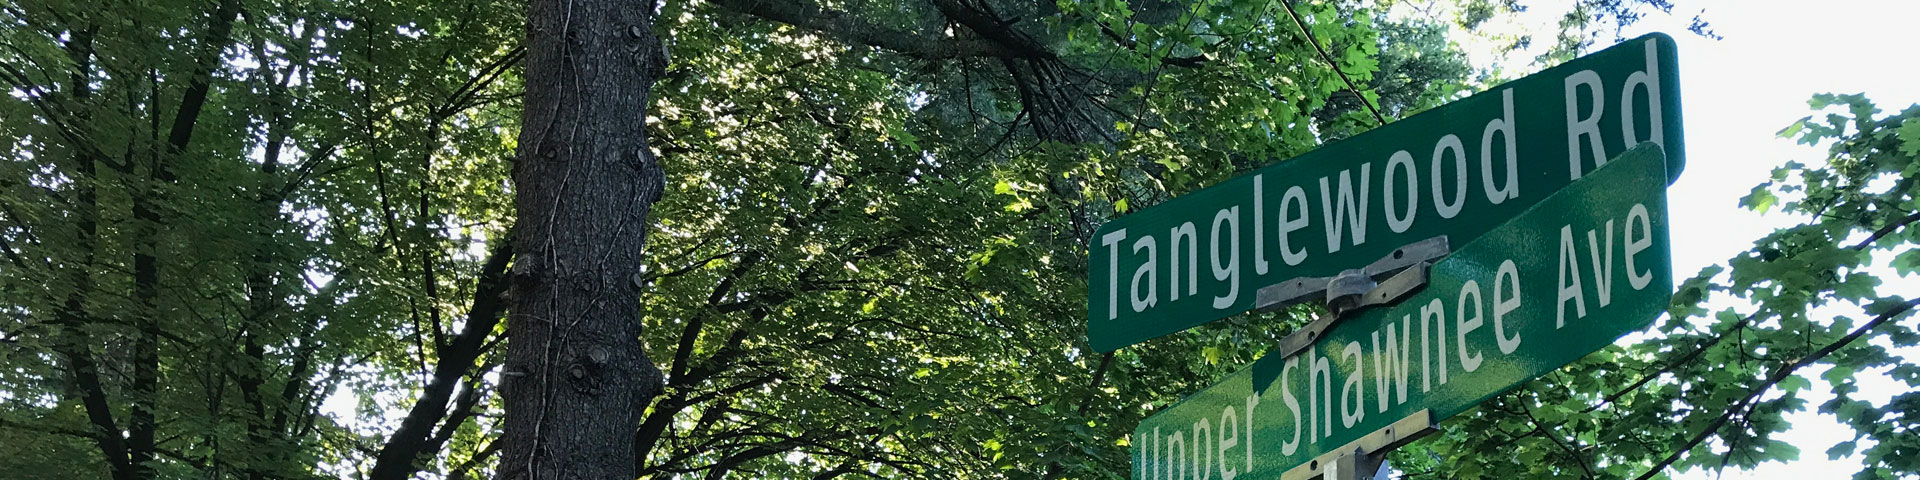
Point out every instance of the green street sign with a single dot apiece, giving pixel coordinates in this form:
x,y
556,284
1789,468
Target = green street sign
x,y
1566,277
1457,170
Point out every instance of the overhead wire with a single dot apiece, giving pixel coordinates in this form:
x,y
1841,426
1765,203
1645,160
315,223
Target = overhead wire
x,y
1329,59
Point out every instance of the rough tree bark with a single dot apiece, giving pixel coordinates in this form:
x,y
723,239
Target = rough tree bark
x,y
576,376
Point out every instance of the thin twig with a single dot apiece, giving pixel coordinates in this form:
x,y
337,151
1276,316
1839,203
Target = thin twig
x,y
1556,440
1704,346
1093,389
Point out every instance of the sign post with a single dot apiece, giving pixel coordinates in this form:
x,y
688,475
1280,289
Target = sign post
x,y
1458,170
1565,277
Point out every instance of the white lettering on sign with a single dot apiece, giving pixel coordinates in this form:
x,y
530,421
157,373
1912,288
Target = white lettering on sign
x,y
1484,308
1229,423
1230,270
1391,363
1433,344
1395,220
1506,299
1643,80
1342,214
1191,239
1588,126
1353,406
1602,263
1294,201
1170,456
1147,273
1569,281
1112,241
1597,255
1469,361
1504,127
1638,218
1345,202
1259,226
1398,192
1585,129
1319,396
1293,406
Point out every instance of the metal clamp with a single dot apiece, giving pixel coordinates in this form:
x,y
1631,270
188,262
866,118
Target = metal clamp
x,y
1349,289
1383,282
1362,458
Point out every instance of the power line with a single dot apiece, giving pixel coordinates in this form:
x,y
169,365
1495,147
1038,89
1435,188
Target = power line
x,y
1329,59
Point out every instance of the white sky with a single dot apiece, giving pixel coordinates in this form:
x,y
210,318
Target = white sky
x,y
1736,94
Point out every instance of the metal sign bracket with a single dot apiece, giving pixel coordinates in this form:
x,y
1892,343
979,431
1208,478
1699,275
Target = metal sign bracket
x,y
1382,282
1361,459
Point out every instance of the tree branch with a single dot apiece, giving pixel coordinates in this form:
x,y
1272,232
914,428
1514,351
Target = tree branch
x,y
1887,230
5,423
1704,346
397,456
1093,390
849,28
1584,464
1781,374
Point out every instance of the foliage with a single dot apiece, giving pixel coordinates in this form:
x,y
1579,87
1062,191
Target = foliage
x,y
224,220
219,214
1808,299
1585,23
872,262
1418,69
222,216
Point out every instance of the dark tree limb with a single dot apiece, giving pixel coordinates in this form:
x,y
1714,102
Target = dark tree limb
x,y
398,456
1093,391
1887,230
93,396
56,430
850,28
479,458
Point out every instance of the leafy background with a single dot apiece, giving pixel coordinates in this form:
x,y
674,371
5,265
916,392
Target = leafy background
x,y
869,260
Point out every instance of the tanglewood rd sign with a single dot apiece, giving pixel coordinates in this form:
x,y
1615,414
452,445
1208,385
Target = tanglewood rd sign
x,y
1458,170
1562,279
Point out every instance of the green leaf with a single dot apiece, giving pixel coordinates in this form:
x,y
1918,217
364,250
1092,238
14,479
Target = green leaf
x,y
1822,100
1909,135
1794,383
1794,129
1840,450
1760,200
905,137
1838,374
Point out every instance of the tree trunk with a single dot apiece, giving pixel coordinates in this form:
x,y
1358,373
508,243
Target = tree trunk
x,y
584,179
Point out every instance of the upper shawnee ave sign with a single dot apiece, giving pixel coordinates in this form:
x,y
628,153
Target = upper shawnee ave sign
x,y
1566,277
1457,170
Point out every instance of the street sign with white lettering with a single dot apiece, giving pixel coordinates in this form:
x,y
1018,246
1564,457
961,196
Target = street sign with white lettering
x,y
1457,170
1566,277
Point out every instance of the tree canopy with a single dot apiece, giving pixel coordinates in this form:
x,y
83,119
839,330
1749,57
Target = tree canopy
x,y
275,239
